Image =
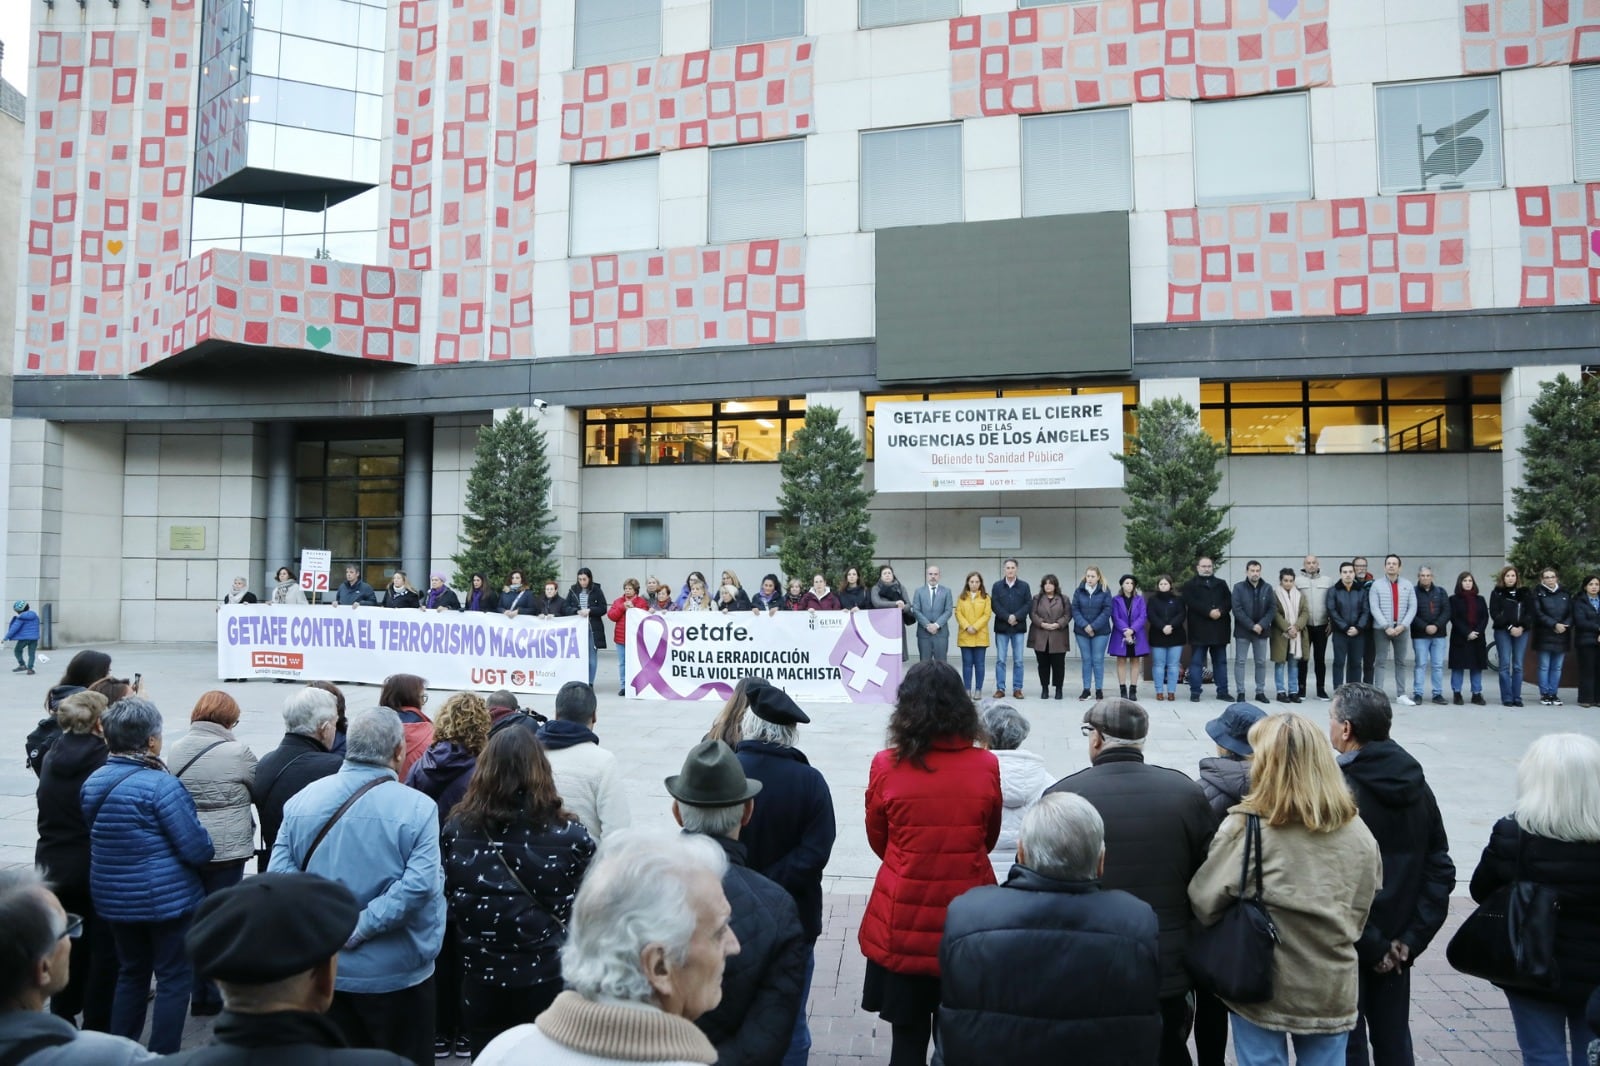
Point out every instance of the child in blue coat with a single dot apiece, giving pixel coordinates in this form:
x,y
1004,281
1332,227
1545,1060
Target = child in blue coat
x,y
24,629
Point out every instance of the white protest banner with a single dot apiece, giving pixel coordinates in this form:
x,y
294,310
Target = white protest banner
x,y
315,566
1030,442
824,655
470,650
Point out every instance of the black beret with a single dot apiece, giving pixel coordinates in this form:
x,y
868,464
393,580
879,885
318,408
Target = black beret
x,y
270,927
771,703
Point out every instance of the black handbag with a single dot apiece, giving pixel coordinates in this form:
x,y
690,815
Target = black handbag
x,y
1510,940
1233,958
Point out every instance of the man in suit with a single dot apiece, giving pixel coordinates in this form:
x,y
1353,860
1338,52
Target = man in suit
x,y
932,604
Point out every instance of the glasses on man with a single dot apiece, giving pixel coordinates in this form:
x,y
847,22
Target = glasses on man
x,y
74,927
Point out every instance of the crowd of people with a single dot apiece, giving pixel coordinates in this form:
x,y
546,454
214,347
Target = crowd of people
x,y
468,884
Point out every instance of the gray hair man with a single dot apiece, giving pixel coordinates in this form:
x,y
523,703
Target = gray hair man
x,y
650,928
378,838
762,991
585,773
36,935
1158,828
1397,805
1051,959
310,717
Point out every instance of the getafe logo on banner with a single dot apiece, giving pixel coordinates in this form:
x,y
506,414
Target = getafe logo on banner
x,y
472,650
826,655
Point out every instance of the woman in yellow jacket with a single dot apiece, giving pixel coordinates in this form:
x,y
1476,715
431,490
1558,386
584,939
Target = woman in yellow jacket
x,y
972,632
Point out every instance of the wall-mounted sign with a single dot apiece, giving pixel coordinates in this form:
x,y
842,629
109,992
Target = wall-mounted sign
x,y
186,538
1000,533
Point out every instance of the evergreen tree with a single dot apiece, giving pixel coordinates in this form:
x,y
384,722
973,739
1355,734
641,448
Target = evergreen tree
x,y
1555,506
1172,472
507,524
823,502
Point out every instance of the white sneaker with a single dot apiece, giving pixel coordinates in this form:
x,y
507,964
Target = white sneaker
x,y
1405,701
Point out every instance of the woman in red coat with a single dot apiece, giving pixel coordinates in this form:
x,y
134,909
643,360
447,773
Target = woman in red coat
x,y
618,613
933,815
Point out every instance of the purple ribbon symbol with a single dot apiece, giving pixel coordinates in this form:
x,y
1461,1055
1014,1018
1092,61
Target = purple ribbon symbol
x,y
652,660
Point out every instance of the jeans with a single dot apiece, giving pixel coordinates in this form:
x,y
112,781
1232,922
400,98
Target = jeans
x,y
1164,667
143,949
1543,1028
1400,646
214,877
594,662
1431,655
1382,1036
1347,652
1219,668
972,665
1290,668
1093,650
800,1043
1511,650
622,666
1477,681
1255,1046
29,646
1550,664
1008,648
1243,648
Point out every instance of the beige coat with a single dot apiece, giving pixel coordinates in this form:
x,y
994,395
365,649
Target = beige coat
x,y
1318,888
1280,629
219,781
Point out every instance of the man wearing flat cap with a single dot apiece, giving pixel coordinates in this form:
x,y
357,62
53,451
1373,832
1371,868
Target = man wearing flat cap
x,y
762,985
790,836
1157,829
272,945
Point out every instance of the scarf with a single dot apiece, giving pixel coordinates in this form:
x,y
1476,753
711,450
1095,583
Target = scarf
x,y
1289,600
891,592
434,595
143,758
237,597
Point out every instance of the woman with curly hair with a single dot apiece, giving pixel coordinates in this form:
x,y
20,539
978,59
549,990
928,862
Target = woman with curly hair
x,y
933,815
459,734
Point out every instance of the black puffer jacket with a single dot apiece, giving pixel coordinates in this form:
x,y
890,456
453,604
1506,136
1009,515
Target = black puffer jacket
x,y
1224,781
1398,807
761,985
597,611
1167,609
1573,870
63,847
1511,607
1552,607
509,894
1348,607
1101,999
1253,605
1158,827
1433,609
1201,596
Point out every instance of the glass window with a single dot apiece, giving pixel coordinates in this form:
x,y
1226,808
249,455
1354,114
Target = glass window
x,y
911,177
613,31
317,62
1586,122
215,220
1423,427
770,535
1435,135
615,207
296,103
744,21
739,431
1272,133
1262,430
1342,430
896,12
1354,415
1265,392
757,191
1076,163
644,536
346,504
1486,433
1343,390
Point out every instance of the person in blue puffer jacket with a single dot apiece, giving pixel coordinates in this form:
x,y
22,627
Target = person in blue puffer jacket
x,y
1091,620
24,629
146,846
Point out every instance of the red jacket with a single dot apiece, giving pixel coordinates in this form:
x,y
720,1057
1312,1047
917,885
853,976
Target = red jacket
x,y
618,613
934,830
418,729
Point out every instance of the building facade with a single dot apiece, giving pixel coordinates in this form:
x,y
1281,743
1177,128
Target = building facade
x,y
280,259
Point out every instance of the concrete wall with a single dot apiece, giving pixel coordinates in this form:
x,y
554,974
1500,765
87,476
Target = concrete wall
x,y
33,521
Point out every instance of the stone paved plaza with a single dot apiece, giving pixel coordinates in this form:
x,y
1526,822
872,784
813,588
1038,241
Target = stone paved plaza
x,y
1470,754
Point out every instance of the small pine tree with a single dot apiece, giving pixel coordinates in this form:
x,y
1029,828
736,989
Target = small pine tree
x,y
1172,472
1555,516
507,524
823,501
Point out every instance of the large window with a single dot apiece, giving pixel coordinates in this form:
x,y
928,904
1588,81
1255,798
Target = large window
x,y
744,21
1129,393
1435,135
615,207
1336,416
614,31
1076,163
1586,122
1252,150
895,12
757,191
349,496
734,431
911,177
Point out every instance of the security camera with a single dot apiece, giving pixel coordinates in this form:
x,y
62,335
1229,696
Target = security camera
x,y
540,405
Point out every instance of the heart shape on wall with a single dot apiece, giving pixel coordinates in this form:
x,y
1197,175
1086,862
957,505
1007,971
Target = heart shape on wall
x,y
319,337
114,247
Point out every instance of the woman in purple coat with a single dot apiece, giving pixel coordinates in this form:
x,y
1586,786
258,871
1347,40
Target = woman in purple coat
x,y
1129,641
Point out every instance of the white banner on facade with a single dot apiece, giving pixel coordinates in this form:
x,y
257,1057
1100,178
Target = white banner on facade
x,y
1030,442
453,650
827,655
